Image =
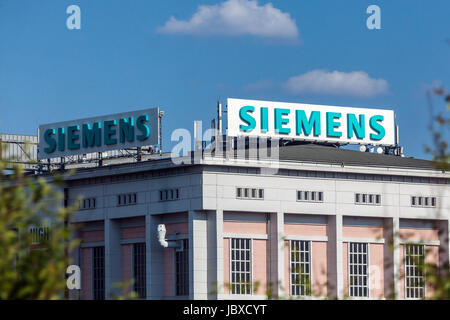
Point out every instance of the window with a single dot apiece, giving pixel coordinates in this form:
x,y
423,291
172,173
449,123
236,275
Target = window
x,y
310,196
182,269
367,198
418,201
169,194
99,272
300,268
249,193
88,203
139,270
414,275
241,281
126,199
358,269
39,234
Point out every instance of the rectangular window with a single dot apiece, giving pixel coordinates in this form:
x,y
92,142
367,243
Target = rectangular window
x,y
377,199
254,192
414,273
126,199
246,192
357,197
98,272
239,192
182,269
139,269
261,193
241,282
413,201
300,268
358,269
306,195
367,198
433,201
321,196
299,195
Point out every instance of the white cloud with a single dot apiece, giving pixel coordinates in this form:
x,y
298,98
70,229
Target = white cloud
x,y
355,83
236,17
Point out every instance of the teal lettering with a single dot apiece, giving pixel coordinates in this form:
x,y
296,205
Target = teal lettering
x,y
247,118
264,119
354,126
304,125
280,121
92,136
377,127
143,127
109,131
72,137
61,139
331,124
49,140
126,129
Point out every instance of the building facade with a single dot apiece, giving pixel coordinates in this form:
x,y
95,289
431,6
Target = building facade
x,y
327,223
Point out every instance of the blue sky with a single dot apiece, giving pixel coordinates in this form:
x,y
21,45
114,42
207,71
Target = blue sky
x,y
128,55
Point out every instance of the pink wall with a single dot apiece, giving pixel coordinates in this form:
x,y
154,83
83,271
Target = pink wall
x,y
319,268
245,227
132,233
226,265
86,274
93,236
180,228
305,229
126,265
376,278
362,232
259,266
169,280
432,258
287,268
419,234
345,268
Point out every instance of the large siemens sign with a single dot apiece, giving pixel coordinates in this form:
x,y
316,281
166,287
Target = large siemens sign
x,y
111,132
310,122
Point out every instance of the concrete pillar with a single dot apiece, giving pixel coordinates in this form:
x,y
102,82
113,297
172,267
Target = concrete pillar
x,y
335,258
198,255
113,258
215,255
444,238
396,253
154,257
276,254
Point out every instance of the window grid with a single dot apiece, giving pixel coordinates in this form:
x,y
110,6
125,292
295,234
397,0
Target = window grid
x,y
182,269
300,268
88,203
368,199
169,194
414,275
126,199
358,269
241,279
419,201
99,273
309,196
249,193
139,270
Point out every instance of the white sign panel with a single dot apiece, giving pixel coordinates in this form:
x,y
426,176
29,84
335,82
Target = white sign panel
x,y
310,122
111,132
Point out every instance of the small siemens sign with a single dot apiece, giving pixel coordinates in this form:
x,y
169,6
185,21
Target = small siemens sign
x,y
310,122
111,132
